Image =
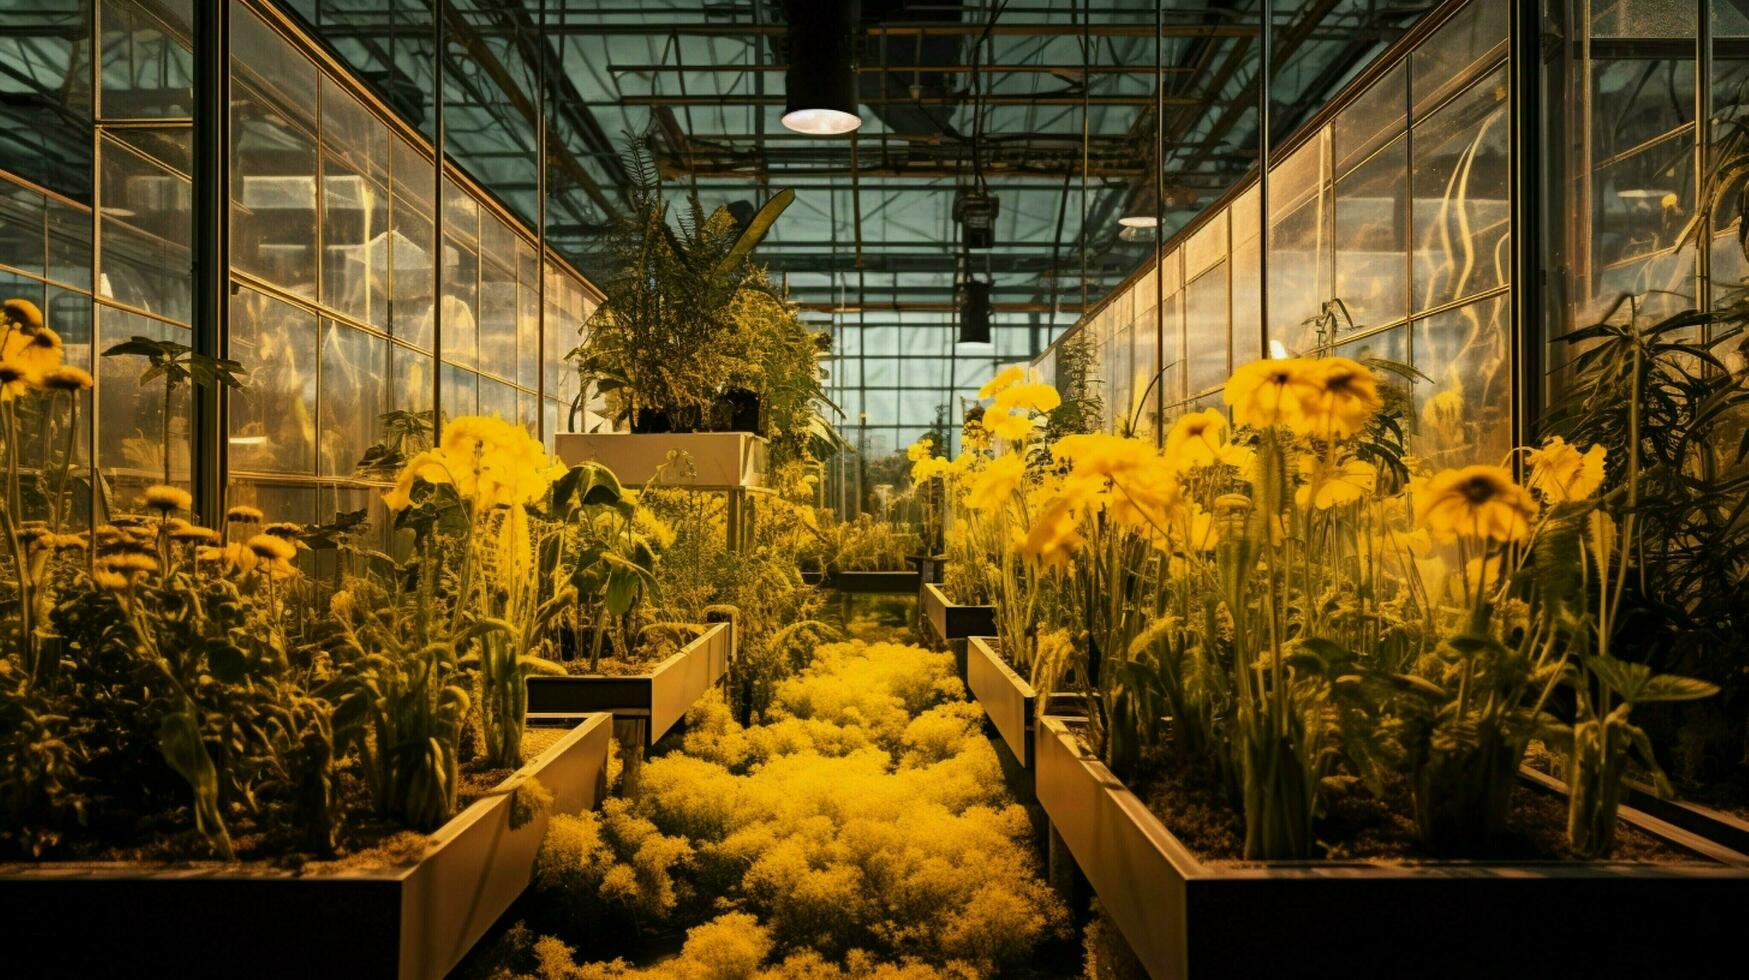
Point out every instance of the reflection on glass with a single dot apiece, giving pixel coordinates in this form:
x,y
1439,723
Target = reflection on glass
x,y
528,347
461,392
1119,367
1247,330
1475,33
355,209
277,502
1464,412
1461,209
1643,148
273,419
131,430
69,234
354,395
461,297
1373,119
145,230
273,157
21,227
410,375
1172,347
1205,330
147,70
410,259
498,304
497,399
1299,244
1372,238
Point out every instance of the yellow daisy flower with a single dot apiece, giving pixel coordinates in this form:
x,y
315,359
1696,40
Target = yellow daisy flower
x,y
1478,502
1266,393
1012,375
1561,473
161,497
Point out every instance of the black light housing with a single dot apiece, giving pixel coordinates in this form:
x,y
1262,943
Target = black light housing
x,y
976,214
820,85
974,304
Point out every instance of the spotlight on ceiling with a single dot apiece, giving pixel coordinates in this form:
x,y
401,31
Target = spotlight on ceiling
x,y
1139,221
974,304
820,85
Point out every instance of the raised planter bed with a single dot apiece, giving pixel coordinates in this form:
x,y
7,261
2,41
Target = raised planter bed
x,y
1185,918
1703,821
875,583
412,921
929,567
723,460
1008,700
660,697
948,621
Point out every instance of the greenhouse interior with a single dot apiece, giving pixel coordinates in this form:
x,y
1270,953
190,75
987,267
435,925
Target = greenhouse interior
x,y
874,489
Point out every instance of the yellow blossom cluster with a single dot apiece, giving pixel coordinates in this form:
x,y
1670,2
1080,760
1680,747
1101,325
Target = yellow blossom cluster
x,y
31,353
490,462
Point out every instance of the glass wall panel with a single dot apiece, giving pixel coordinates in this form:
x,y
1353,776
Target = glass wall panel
x,y
138,420
273,419
1462,208
355,209
273,158
410,258
1372,238
498,300
145,230
1299,244
354,395
1465,409
1205,330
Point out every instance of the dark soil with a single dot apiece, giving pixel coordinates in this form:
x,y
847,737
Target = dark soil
x,y
1360,826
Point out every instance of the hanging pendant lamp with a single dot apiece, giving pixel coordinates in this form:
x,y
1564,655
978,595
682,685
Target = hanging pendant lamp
x,y
820,85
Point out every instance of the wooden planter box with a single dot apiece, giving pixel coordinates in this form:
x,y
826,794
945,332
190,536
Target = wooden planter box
x,y
1008,700
948,621
411,921
660,697
1714,825
875,583
929,567
1185,918
719,459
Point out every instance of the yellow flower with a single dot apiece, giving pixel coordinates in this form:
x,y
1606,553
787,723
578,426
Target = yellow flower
x,y
195,533
1330,486
24,314
1199,439
35,352
1009,426
920,450
1034,396
992,489
234,557
14,380
1012,375
1479,502
167,498
1337,398
110,581
1055,534
272,547
283,529
928,468
67,378
1561,473
244,514
490,462
1266,393
131,562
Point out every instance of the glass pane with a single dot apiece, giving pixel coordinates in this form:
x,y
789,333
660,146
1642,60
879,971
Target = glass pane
x,y
1172,348
45,94
1206,339
148,71
1372,238
1643,18
1144,394
528,347
355,209
1464,352
411,380
1207,246
414,176
498,304
1643,145
461,298
273,157
1373,119
273,417
21,228
277,502
355,389
1442,62
146,228
1462,211
1247,336
497,399
461,392
137,420
410,259
70,251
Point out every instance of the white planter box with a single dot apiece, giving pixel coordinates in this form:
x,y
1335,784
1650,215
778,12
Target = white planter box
x,y
717,459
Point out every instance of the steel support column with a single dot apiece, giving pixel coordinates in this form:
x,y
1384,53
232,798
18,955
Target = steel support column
x,y
211,245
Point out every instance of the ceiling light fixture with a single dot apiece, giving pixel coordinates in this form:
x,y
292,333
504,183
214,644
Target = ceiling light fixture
x,y
820,85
